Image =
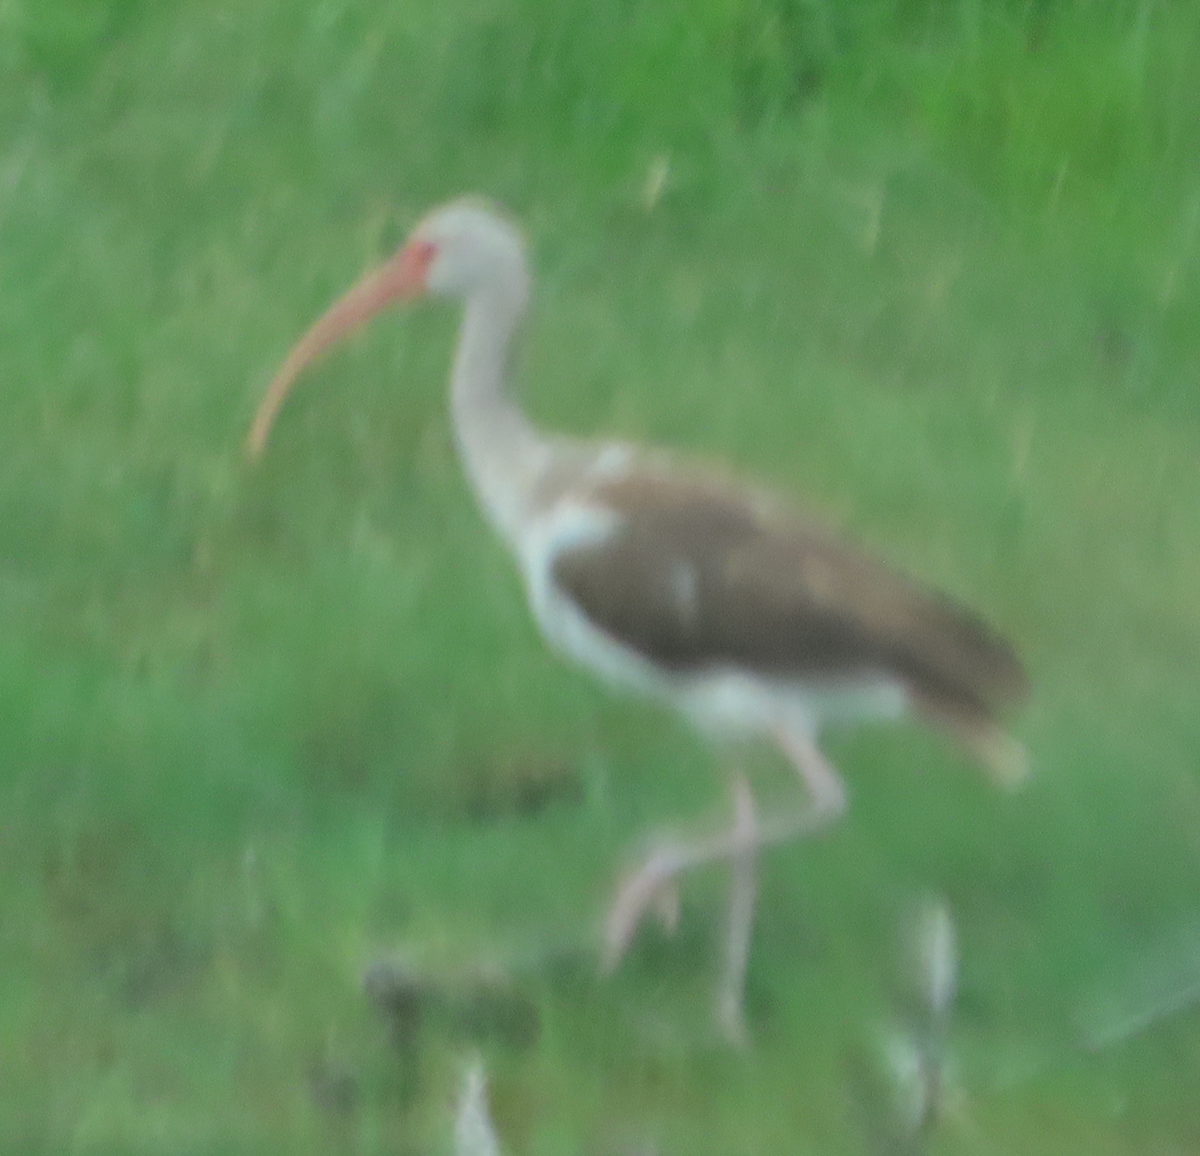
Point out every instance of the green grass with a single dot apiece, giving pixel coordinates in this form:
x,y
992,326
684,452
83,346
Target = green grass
x,y
933,266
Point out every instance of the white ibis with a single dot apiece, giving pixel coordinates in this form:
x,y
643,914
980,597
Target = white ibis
x,y
679,583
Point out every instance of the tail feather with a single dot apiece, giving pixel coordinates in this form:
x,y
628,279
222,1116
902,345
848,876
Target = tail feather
x,y
1003,758
954,648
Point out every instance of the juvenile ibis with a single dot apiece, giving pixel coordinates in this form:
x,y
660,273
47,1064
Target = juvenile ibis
x,y
674,581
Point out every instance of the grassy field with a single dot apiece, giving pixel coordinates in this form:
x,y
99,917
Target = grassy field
x,y
933,266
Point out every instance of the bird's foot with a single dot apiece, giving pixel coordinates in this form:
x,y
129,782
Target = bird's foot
x,y
651,888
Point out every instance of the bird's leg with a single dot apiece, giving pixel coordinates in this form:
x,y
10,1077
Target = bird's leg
x,y
643,889
650,887
828,799
825,787
743,893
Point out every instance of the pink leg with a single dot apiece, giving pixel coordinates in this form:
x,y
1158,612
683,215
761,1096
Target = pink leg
x,y
670,858
743,893
824,784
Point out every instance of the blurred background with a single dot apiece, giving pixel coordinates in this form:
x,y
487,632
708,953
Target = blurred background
x,y
931,265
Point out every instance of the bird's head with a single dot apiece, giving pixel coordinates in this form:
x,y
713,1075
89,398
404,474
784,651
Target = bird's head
x,y
467,247
463,249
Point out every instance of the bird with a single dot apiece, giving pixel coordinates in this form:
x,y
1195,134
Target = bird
x,y
682,583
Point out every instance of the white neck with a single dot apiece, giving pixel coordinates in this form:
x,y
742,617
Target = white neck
x,y
502,452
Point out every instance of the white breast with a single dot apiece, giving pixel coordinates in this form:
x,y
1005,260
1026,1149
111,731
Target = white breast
x,y
566,526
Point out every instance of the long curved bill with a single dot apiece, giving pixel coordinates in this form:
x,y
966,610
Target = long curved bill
x,y
402,277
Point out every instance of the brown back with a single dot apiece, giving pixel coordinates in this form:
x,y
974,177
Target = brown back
x,y
701,576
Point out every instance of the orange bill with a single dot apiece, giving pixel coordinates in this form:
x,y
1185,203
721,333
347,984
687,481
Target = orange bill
x,y
402,277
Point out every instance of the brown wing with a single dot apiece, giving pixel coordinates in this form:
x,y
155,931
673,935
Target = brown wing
x,y
698,577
